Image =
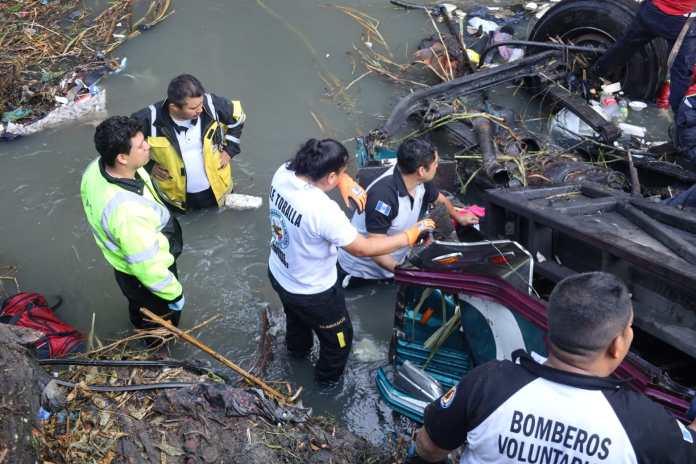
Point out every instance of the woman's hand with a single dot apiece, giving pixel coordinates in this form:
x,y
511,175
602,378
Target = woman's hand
x,y
351,190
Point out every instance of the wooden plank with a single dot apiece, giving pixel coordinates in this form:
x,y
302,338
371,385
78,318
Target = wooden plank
x,y
594,190
664,266
599,205
675,243
545,192
553,271
669,215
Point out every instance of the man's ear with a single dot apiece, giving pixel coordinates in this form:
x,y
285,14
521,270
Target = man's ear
x,y
121,159
618,347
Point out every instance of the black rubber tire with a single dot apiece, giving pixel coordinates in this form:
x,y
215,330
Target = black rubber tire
x,y
589,22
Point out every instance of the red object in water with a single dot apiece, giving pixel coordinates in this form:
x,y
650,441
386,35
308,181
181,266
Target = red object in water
x,y
662,99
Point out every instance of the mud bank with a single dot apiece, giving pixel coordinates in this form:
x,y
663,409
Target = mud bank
x,y
207,422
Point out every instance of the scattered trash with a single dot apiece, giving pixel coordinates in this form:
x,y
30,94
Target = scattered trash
x,y
88,106
531,6
567,129
59,51
480,25
15,115
631,129
636,105
241,202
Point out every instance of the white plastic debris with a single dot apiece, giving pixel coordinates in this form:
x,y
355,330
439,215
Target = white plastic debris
x,y
637,105
93,106
542,11
531,6
484,25
612,88
567,125
631,129
241,202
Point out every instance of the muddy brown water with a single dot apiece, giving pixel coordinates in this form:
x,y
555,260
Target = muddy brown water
x,y
270,54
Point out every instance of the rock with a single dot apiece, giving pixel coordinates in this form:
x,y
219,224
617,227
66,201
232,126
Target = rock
x,y
20,396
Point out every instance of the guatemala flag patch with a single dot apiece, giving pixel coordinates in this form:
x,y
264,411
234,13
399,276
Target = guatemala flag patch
x,y
383,208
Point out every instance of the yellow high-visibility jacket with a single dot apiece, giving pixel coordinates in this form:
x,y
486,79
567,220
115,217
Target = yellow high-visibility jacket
x,y
127,219
222,123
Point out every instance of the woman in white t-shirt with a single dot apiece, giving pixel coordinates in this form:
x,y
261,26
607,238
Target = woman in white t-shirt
x,y
306,228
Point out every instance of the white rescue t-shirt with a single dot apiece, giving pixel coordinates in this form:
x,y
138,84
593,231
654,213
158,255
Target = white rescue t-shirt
x,y
191,145
306,228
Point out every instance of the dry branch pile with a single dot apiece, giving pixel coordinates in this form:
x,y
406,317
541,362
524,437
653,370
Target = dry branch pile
x,y
46,46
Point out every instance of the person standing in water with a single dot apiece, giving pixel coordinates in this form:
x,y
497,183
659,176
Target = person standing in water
x,y
307,228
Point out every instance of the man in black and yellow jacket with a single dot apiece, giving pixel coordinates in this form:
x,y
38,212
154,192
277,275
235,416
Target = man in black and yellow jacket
x,y
193,136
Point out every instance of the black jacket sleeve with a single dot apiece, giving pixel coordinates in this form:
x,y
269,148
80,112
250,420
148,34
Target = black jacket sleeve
x,y
143,117
231,113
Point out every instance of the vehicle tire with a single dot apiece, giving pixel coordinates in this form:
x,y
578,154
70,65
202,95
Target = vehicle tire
x,y
594,22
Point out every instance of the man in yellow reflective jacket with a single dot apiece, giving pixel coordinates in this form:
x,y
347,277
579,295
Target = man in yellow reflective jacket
x,y
193,136
131,225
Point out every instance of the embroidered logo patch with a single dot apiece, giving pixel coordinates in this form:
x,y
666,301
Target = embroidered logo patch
x,y
686,434
383,208
279,235
447,398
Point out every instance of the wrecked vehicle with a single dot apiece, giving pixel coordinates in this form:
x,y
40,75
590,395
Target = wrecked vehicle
x,y
460,305
568,206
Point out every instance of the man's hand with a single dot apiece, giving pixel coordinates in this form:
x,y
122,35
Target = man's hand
x,y
417,229
465,217
351,190
160,173
224,159
178,305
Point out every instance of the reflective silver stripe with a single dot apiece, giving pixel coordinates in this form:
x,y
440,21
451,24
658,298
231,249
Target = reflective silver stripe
x,y
241,119
107,243
153,116
232,138
143,255
124,196
687,102
209,99
162,283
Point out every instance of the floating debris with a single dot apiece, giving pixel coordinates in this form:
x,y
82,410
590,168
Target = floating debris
x,y
53,54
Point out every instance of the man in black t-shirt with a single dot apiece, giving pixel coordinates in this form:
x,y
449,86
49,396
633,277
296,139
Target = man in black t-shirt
x,y
566,410
396,200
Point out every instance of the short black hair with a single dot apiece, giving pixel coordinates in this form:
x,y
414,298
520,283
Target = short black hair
x,y
113,136
587,311
182,87
413,154
317,158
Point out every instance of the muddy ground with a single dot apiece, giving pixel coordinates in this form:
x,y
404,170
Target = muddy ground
x,y
209,422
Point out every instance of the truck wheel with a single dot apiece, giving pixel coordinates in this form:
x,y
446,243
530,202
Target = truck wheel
x,y
602,22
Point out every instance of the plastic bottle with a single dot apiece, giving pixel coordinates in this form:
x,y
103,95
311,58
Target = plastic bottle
x,y
623,108
609,105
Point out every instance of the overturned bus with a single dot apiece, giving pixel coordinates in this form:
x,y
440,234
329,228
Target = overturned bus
x,y
552,211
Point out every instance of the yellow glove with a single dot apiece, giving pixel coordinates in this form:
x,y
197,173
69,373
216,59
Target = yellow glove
x,y
351,190
417,229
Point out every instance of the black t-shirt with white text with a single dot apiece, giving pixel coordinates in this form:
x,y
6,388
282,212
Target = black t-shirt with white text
x,y
530,413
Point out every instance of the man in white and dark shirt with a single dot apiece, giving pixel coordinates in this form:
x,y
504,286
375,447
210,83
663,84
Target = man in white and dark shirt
x,y
193,136
566,410
396,200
